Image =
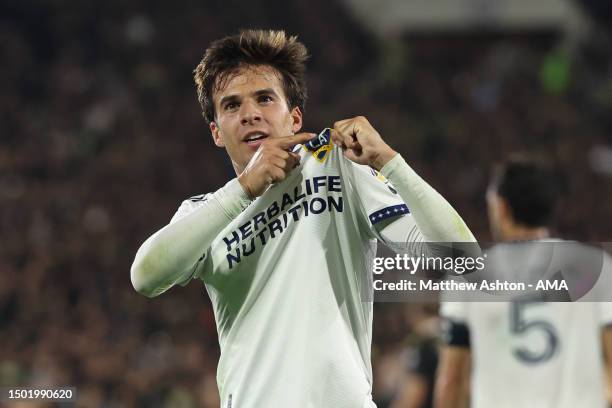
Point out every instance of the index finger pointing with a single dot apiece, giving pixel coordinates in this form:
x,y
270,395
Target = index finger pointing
x,y
300,138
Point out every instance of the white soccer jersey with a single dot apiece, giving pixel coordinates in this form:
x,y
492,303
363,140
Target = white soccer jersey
x,y
286,278
534,354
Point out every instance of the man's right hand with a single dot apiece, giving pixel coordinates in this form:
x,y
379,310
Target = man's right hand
x,y
271,163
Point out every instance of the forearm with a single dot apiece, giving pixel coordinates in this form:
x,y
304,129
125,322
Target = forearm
x,y
449,396
171,254
413,393
451,386
607,346
436,218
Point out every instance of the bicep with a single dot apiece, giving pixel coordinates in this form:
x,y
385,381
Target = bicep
x,y
402,235
607,347
452,379
173,254
414,392
376,202
454,363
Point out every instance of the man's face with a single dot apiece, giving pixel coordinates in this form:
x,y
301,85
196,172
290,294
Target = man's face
x,y
250,107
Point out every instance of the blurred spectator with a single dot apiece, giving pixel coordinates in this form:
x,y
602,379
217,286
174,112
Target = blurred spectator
x,y
101,136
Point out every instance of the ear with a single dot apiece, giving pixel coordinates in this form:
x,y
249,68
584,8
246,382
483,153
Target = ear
x,y
217,135
296,116
503,206
505,212
497,207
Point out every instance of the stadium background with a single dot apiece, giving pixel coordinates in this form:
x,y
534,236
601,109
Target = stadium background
x,y
101,138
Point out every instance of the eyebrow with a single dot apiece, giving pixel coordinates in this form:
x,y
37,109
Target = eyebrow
x,y
266,91
232,98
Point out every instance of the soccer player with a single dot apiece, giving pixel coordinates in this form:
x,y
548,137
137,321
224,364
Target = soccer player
x,y
285,248
524,353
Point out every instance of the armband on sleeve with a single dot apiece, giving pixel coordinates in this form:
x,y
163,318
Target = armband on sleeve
x,y
455,333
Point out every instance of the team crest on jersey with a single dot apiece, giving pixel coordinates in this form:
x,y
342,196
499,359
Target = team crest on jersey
x,y
320,146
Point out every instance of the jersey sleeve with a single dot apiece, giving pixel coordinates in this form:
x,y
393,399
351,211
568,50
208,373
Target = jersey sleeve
x,y
378,203
605,308
454,310
423,360
187,207
605,313
173,255
454,327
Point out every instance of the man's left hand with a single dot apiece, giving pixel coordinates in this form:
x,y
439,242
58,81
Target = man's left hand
x,y
361,143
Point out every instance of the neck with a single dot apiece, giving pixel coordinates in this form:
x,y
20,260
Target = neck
x,y
238,168
523,233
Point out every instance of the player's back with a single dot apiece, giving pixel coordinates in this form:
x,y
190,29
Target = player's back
x,y
531,353
536,354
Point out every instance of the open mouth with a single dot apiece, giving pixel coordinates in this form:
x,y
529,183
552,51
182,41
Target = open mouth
x,y
255,137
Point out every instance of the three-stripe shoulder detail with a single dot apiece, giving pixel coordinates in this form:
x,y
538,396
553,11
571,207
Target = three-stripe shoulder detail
x,y
198,198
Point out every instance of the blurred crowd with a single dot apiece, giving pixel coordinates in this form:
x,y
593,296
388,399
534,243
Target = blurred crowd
x,y
102,138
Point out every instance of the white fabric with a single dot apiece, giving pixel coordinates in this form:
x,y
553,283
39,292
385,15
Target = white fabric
x,y
438,221
286,277
169,256
535,354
